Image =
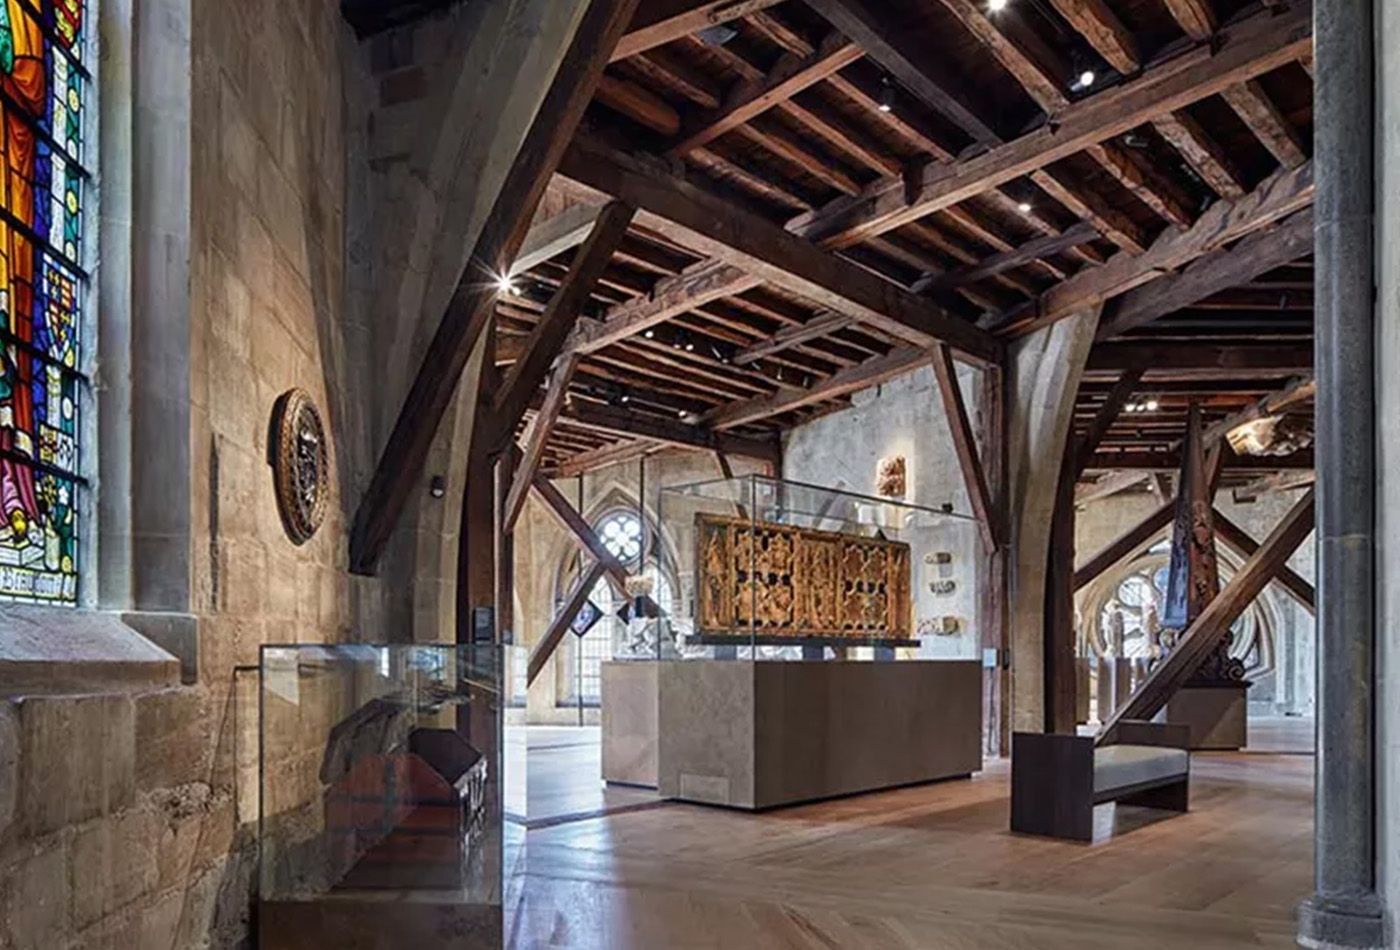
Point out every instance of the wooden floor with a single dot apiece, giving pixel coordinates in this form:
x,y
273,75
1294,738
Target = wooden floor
x,y
934,867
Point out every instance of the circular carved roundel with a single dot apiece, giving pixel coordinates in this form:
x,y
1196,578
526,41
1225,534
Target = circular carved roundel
x,y
300,464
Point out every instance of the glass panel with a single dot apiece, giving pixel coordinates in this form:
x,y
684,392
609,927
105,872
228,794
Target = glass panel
x,y
781,570
381,792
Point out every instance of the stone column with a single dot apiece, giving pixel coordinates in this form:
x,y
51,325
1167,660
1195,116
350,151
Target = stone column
x,y
1044,370
1345,910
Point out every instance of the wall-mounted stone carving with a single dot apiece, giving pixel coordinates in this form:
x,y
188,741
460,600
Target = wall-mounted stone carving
x,y
300,460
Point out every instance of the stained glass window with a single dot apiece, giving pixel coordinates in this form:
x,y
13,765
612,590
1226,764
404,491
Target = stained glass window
x,y
43,93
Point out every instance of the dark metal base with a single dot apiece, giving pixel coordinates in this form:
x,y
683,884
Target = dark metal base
x,y
1354,923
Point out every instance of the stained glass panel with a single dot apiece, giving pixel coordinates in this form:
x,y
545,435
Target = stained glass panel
x,y
43,79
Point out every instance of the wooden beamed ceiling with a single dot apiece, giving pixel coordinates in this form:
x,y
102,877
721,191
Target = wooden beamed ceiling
x,y
825,189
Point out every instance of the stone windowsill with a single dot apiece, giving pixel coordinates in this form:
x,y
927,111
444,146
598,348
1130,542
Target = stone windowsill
x,y
54,649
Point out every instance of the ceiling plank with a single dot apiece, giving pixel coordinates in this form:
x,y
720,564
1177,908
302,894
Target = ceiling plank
x,y
1196,17
1110,220
1254,107
1152,186
1205,156
658,22
401,463
1104,31
703,221
1210,274
790,76
1246,49
1223,359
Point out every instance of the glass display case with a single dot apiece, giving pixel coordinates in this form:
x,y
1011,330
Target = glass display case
x,y
760,568
382,790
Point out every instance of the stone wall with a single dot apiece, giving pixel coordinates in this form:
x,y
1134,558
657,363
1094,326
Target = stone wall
x,y
905,417
248,170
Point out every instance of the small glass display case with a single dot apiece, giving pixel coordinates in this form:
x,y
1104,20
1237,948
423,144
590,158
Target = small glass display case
x,y
380,815
764,568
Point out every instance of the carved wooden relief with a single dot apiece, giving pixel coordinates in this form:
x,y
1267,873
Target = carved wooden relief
x,y
775,581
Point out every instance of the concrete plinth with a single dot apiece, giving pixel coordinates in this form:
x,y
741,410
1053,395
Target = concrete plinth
x,y
629,715
1216,715
759,735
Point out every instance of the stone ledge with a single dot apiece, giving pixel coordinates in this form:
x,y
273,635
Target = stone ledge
x,y
55,650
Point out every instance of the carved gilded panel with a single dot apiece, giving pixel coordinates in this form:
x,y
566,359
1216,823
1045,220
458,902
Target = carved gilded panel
x,y
776,581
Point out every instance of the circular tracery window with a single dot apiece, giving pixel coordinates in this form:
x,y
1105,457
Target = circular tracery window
x,y
621,532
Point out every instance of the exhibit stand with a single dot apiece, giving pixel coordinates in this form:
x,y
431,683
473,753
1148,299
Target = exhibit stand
x,y
823,643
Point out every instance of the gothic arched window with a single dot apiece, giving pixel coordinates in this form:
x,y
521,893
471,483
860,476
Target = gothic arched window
x,y
44,81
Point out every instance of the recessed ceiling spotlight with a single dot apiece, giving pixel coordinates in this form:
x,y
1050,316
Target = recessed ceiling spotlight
x,y
886,95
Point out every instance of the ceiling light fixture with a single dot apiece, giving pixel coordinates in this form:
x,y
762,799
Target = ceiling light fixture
x,y
1151,405
1024,207
996,6
505,285
1086,79
886,95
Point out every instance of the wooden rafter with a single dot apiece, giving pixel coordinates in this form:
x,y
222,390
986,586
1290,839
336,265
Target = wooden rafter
x,y
659,22
537,437
1240,541
1247,49
694,287
1254,107
1208,358
548,336
559,626
1257,254
965,446
1277,197
819,326
1159,461
1147,182
1268,484
911,66
1201,637
670,432
549,238
582,532
401,463
1205,156
1127,544
712,226
1105,32
1196,17
790,76
1108,413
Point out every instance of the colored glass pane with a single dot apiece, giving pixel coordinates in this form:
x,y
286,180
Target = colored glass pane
x,y
42,284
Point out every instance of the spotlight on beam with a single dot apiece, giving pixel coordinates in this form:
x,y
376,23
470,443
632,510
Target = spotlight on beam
x,y
886,95
505,285
996,6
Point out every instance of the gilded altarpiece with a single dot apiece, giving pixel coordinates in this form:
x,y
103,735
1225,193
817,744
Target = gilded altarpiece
x,y
773,583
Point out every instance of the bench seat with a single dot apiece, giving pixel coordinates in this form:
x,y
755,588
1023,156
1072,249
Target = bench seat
x,y
1056,780
1123,766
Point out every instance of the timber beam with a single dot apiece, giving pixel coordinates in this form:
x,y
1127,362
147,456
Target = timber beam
x,y
401,462
701,220
1239,541
670,432
965,445
1204,633
1237,53
658,22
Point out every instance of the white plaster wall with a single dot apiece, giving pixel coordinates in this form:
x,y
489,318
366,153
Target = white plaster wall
x,y
905,417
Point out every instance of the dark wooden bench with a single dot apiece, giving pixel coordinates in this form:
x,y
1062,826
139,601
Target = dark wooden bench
x,y
1056,780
